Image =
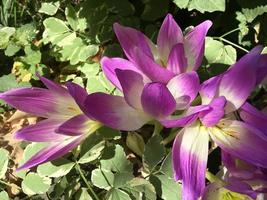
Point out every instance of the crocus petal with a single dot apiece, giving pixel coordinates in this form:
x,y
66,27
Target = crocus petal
x,y
78,125
151,69
241,140
186,84
36,101
157,100
55,87
191,114
43,131
190,154
132,86
253,116
78,93
209,89
109,65
212,117
177,62
129,39
195,44
262,68
238,82
51,152
114,112
169,35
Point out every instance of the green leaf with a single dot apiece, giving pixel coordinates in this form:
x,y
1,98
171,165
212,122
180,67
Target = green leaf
x,y
102,178
122,7
11,49
141,189
49,8
217,52
82,194
114,159
4,195
35,184
56,30
91,148
109,133
116,194
25,34
3,162
207,6
57,168
154,153
166,167
99,83
166,187
33,56
5,34
71,17
8,82
201,6
136,143
181,3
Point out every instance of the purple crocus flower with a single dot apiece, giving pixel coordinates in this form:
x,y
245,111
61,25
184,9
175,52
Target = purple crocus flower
x,y
64,126
174,53
221,95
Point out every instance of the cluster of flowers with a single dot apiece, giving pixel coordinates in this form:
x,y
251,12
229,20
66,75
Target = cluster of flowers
x,y
157,81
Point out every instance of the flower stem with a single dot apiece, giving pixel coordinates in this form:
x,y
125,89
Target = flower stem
x,y
228,33
212,178
231,43
86,181
157,128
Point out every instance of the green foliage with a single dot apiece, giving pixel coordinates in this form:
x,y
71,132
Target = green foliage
x,y
201,6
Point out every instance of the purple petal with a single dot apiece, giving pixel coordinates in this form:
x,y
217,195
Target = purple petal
x,y
51,152
186,84
254,117
129,39
78,125
212,117
209,89
169,35
157,100
191,114
53,86
238,82
262,68
190,154
151,69
43,131
177,62
195,44
114,112
109,65
78,93
36,101
241,140
132,86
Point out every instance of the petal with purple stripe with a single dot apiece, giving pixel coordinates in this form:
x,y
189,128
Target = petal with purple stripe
x,y
78,125
43,131
51,152
132,86
189,116
253,116
109,65
169,35
241,140
129,39
151,69
177,61
190,154
157,100
184,85
195,44
53,86
114,112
